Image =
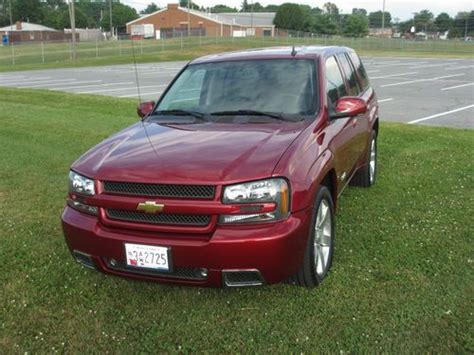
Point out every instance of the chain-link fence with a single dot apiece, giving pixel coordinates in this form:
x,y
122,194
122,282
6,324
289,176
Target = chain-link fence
x,y
178,42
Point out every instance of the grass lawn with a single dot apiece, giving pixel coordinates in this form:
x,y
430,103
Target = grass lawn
x,y
401,279
56,55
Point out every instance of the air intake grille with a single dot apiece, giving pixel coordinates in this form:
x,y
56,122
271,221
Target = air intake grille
x,y
179,272
162,218
160,190
242,278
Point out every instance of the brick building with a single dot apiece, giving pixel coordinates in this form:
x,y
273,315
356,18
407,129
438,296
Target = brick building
x,y
31,32
174,20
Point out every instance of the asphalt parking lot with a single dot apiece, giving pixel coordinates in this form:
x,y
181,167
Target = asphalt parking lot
x,y
424,91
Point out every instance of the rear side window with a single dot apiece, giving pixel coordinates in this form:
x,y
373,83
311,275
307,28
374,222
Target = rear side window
x,y
336,88
364,80
354,89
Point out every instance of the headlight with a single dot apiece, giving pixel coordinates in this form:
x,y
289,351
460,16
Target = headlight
x,y
80,184
263,191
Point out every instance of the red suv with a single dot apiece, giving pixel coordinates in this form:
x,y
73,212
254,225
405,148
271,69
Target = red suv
x,y
232,177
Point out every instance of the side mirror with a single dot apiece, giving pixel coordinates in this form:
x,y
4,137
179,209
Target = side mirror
x,y
144,108
350,106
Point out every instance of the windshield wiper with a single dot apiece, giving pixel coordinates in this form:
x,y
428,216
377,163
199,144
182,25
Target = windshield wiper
x,y
195,114
249,113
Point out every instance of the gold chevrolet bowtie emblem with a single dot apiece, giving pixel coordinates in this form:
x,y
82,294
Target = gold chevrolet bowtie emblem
x,y
150,207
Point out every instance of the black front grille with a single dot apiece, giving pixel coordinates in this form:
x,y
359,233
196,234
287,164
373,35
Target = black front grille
x,y
178,272
161,218
160,190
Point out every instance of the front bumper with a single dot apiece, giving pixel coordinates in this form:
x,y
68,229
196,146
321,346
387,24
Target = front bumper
x,y
274,249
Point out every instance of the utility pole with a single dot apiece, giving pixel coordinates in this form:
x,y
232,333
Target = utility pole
x,y
72,17
465,28
251,20
11,17
189,17
111,25
383,18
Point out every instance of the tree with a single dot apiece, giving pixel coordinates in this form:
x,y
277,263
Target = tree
x,y
290,17
151,8
222,8
424,20
324,24
443,22
356,25
464,23
65,22
121,14
356,11
245,6
375,19
184,3
271,8
256,7
27,11
331,8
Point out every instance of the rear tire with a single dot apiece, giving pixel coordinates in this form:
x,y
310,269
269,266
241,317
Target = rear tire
x,y
365,176
319,249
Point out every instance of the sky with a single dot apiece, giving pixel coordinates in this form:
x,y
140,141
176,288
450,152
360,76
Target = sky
x,y
401,9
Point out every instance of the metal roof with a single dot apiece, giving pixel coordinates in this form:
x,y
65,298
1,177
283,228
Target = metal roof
x,y
28,27
248,19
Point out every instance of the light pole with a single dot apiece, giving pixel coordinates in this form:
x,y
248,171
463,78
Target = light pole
x,y
189,18
111,26
72,17
383,18
11,17
251,20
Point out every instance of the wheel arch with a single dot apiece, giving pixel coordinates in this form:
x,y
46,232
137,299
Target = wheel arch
x,y
330,181
375,126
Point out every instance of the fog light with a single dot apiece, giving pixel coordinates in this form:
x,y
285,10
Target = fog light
x,y
204,272
92,210
113,262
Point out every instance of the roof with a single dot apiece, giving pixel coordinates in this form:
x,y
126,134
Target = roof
x,y
250,18
308,52
244,19
28,27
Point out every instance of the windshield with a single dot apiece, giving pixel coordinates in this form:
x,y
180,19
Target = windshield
x,y
282,86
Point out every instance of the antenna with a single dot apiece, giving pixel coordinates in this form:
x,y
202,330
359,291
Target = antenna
x,y
136,72
293,51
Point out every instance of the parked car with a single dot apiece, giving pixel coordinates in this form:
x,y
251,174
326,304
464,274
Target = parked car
x,y
232,178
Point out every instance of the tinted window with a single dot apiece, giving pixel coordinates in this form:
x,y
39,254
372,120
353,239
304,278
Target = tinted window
x,y
336,87
279,85
364,80
350,73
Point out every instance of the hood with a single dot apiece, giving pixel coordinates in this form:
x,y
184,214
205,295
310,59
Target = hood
x,y
204,153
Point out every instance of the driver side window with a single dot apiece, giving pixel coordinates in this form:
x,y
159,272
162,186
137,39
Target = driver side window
x,y
335,85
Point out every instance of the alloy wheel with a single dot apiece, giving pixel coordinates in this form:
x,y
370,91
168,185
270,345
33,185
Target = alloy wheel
x,y
322,238
373,161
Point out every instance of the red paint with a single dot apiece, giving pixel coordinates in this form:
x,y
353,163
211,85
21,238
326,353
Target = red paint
x,y
144,108
222,154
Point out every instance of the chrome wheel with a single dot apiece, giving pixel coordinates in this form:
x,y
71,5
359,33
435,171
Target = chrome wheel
x,y
322,238
373,160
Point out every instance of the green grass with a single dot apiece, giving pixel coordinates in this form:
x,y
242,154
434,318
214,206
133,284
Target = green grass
x,y
402,279
54,55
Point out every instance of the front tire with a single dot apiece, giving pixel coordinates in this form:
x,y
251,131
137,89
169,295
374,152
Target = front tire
x,y
366,175
319,250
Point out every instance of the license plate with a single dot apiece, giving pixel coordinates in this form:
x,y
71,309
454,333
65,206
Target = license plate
x,y
147,256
